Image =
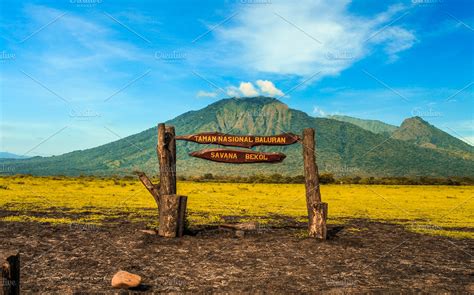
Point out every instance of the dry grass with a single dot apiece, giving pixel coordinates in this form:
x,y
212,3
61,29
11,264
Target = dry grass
x,y
439,210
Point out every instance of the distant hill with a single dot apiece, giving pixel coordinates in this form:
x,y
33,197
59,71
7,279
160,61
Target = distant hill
x,y
7,155
342,148
416,131
421,133
374,126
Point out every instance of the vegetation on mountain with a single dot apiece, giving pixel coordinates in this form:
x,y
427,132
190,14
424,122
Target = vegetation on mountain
x,y
374,126
421,133
343,149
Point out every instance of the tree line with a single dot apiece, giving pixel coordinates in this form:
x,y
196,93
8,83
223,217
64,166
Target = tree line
x,y
324,178
329,178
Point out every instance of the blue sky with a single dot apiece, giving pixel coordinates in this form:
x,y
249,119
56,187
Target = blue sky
x,y
79,73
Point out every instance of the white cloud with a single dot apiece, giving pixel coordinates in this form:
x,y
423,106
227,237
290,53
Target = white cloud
x,y
395,40
202,93
247,89
264,87
92,44
310,36
233,91
319,112
267,87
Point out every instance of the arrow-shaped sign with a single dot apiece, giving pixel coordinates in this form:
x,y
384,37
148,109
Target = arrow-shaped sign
x,y
238,156
246,141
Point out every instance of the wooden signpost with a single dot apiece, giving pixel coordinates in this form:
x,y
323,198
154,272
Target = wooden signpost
x,y
172,207
238,156
247,141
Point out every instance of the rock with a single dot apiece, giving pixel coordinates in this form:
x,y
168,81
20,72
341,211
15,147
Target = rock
x,y
124,280
239,233
148,231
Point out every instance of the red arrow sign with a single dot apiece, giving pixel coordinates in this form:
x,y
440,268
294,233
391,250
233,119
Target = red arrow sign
x,y
238,156
247,141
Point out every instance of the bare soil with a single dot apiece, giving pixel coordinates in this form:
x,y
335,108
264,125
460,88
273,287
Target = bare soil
x,y
360,256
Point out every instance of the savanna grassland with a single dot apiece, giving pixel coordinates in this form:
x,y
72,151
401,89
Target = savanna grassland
x,y
74,234
436,210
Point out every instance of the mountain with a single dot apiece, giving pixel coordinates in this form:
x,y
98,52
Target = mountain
x,y
342,148
415,131
7,155
374,126
421,133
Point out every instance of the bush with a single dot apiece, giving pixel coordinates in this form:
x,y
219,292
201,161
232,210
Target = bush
x,y
326,178
208,176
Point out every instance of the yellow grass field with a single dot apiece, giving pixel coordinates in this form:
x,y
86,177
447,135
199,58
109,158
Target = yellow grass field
x,y
439,210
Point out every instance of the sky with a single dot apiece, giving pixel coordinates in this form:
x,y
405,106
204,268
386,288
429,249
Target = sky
x,y
76,74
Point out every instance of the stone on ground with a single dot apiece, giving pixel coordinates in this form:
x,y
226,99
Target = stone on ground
x,y
125,280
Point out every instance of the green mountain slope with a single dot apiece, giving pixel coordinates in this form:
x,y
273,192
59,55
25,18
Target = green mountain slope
x,y
374,126
419,132
342,148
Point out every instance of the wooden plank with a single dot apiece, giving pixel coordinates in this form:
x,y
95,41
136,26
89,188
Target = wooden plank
x,y
10,272
246,141
238,156
240,226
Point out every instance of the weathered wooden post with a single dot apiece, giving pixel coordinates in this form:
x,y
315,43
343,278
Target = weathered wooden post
x,y
317,222
172,208
10,283
172,215
317,211
166,152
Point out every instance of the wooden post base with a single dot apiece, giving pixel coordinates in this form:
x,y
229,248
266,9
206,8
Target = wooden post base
x,y
10,281
172,215
317,222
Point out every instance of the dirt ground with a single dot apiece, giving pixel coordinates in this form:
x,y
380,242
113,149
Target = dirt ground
x,y
360,256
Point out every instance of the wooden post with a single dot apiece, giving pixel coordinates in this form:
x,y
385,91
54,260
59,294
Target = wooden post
x,y
166,150
172,215
317,226
313,193
10,283
172,208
